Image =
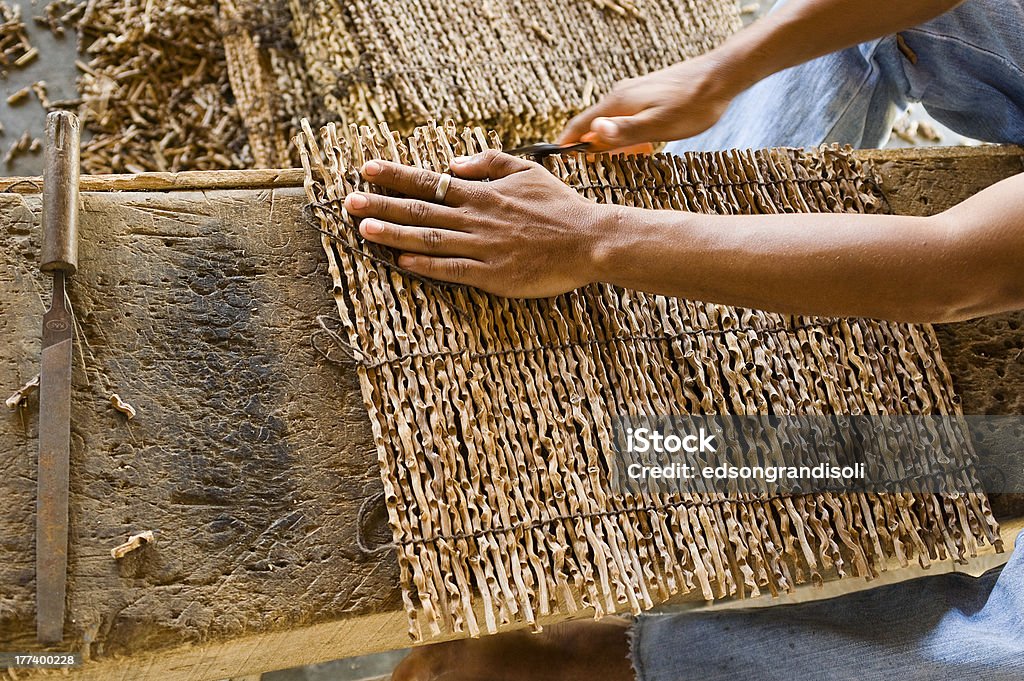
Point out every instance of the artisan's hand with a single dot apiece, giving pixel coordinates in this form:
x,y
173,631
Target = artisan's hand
x,y
677,102
524,234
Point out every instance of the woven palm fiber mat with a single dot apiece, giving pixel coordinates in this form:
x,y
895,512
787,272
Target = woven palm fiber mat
x,y
521,67
489,414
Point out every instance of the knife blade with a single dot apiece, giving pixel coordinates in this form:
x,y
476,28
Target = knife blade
x,y
545,149
59,256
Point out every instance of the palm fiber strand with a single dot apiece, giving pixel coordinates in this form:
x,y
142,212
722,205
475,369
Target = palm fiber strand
x,y
489,413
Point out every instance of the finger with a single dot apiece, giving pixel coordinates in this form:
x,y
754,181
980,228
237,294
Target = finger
x,y
425,240
417,183
615,103
404,211
580,124
456,270
489,165
616,132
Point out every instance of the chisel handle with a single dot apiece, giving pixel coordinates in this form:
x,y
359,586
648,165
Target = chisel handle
x,y
60,193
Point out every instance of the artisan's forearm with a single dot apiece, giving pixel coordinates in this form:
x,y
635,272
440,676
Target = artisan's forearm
x,y
802,30
963,263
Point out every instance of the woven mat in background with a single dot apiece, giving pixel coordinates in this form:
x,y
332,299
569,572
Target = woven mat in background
x,y
489,414
521,67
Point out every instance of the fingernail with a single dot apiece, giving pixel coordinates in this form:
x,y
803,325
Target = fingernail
x,y
372,168
357,201
606,128
406,261
371,227
459,160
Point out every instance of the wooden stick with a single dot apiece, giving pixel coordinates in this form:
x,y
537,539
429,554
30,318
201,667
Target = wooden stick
x,y
270,178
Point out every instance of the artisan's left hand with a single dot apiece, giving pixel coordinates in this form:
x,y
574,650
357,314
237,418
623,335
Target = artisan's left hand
x,y
524,234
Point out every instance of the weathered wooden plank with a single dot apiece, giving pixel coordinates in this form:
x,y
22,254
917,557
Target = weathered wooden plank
x,y
251,455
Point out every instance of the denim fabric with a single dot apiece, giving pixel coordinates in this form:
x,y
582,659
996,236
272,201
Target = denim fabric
x,y
942,628
969,75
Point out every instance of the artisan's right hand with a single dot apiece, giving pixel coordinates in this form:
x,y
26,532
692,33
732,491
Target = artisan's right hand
x,y
680,101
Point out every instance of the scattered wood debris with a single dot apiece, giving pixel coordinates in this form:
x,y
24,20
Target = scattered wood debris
x,y
122,406
22,393
39,89
915,132
16,98
135,541
60,15
26,144
623,7
15,49
155,92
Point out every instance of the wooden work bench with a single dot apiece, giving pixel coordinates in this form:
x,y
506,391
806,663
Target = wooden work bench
x,y
251,456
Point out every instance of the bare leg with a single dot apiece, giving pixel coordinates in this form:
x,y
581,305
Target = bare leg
x,y
571,651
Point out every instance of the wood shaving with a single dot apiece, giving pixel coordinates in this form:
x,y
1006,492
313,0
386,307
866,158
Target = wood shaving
x,y
134,542
22,393
492,415
23,145
915,132
19,96
155,92
60,15
122,406
39,89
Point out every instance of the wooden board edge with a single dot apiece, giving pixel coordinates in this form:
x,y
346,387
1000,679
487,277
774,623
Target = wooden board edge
x,y
270,178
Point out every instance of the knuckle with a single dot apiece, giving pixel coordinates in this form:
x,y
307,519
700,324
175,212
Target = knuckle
x,y
424,179
418,212
433,240
456,269
615,95
475,194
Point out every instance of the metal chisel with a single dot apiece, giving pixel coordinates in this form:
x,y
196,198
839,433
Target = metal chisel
x,y
59,258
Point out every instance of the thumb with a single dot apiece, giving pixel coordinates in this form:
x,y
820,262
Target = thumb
x,y
488,165
624,131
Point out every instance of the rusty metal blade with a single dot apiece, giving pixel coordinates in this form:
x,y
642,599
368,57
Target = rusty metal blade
x,y
54,467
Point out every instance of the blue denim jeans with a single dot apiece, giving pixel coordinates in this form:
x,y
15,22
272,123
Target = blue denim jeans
x,y
942,628
966,67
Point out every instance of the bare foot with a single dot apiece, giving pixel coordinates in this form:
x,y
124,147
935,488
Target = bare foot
x,y
571,651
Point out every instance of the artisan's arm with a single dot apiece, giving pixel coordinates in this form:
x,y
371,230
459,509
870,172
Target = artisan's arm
x,y
963,263
688,98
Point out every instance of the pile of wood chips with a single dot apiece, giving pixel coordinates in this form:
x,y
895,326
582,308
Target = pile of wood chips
x,y
155,90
